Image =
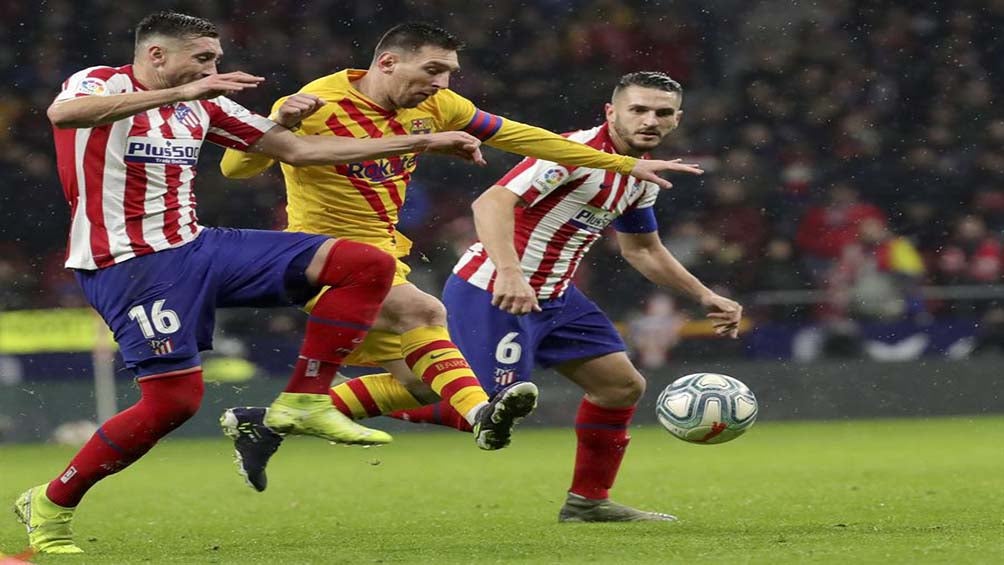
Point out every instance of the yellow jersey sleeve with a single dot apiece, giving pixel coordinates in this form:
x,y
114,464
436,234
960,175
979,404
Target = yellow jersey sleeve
x,y
458,113
240,165
532,141
453,111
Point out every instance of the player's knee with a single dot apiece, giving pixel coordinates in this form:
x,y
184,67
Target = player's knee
x,y
635,388
380,271
351,262
426,312
376,268
624,392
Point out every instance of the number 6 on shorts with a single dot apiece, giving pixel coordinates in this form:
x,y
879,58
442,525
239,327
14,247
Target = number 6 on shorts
x,y
508,351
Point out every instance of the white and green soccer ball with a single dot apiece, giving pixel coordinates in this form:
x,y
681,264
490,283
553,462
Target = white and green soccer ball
x,y
706,408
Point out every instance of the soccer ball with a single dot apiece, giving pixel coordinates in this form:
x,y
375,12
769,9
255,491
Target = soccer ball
x,y
706,408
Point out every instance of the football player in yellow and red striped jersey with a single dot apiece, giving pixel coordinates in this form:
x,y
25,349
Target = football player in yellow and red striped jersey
x,y
405,91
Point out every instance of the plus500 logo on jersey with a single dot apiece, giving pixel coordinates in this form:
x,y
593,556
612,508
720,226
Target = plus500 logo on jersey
x,y
592,219
380,170
162,151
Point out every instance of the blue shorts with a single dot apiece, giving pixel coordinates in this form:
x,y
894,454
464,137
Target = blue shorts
x,y
503,348
162,306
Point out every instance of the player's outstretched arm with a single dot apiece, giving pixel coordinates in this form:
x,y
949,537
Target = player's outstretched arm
x,y
93,111
289,112
283,145
494,219
646,253
240,165
533,141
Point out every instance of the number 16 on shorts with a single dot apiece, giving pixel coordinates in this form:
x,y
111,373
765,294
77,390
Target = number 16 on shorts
x,y
164,321
158,320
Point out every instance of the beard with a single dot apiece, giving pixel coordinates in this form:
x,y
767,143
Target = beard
x,y
635,143
644,145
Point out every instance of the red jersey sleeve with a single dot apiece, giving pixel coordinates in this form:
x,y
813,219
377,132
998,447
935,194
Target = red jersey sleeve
x,y
232,125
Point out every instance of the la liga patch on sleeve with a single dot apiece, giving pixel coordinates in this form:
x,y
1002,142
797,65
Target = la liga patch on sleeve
x,y
92,86
550,179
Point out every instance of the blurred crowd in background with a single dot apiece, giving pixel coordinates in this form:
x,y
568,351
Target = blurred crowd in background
x,y
854,148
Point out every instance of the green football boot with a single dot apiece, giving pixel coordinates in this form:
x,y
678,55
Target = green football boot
x,y
48,523
314,415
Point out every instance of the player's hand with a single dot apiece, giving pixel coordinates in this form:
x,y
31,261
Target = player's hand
x,y
457,144
725,314
297,108
513,294
218,85
647,169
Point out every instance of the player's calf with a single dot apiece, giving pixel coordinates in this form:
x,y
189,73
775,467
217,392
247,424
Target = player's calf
x,y
359,277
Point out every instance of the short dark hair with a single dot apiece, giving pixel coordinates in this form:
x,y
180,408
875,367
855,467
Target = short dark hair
x,y
412,36
173,24
648,79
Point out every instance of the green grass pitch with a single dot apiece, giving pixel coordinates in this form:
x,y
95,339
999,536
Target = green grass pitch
x,y
899,491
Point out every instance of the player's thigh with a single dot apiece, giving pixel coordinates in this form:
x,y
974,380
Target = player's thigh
x,y
495,343
262,268
580,330
584,346
159,307
610,378
400,278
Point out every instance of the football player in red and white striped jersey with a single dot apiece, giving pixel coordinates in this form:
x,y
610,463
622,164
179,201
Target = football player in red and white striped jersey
x,y
512,306
127,142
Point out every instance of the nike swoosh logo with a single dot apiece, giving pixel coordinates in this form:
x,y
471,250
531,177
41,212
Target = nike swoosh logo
x,y
435,356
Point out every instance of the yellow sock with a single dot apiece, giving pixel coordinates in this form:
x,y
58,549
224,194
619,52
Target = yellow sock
x,y
372,395
437,361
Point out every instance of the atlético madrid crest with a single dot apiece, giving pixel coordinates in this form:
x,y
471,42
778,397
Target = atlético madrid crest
x,y
161,346
185,115
504,377
421,125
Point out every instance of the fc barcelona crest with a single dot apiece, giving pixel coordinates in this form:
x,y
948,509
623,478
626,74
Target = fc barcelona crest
x,y
421,125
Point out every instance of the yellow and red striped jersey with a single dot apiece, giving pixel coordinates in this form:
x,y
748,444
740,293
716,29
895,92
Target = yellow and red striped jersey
x,y
361,201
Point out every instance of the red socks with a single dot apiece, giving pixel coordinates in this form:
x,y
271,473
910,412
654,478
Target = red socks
x,y
360,277
440,413
166,402
603,438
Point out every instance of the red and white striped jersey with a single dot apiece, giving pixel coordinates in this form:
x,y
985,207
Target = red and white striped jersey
x,y
129,183
566,210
